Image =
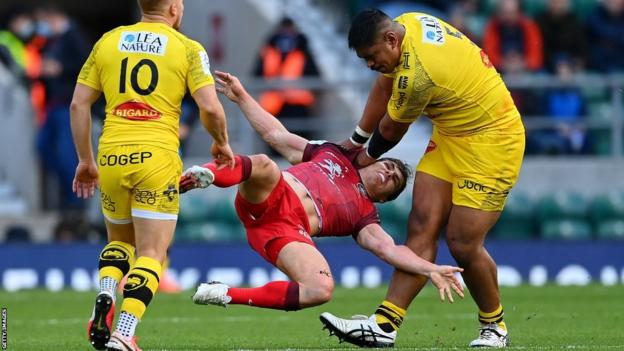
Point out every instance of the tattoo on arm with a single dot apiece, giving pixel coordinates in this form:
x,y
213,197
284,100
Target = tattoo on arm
x,y
325,273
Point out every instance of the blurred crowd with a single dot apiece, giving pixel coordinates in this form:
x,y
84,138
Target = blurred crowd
x,y
44,49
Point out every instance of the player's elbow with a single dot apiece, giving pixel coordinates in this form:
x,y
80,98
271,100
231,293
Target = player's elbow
x,y
76,106
211,111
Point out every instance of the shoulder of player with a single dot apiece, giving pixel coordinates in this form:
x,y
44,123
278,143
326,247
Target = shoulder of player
x,y
185,41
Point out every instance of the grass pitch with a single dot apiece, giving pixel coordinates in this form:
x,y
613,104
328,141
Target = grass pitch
x,y
546,318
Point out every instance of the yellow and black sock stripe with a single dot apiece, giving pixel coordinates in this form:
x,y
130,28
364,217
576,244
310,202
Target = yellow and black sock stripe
x,y
495,317
115,260
141,286
389,316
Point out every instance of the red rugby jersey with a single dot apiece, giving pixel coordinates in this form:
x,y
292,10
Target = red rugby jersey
x,y
333,182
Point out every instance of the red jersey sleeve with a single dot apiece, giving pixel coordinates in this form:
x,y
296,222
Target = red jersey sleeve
x,y
371,218
315,146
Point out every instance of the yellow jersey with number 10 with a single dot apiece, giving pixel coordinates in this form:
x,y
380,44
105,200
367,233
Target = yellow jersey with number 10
x,y
144,71
450,79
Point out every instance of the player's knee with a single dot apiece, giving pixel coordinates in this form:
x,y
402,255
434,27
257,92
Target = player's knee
x,y
321,292
262,163
422,231
461,250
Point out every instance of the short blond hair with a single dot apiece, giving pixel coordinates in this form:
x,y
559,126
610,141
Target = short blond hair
x,y
148,6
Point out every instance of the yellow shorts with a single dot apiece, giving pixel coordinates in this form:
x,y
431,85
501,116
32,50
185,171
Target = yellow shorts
x,y
482,168
139,181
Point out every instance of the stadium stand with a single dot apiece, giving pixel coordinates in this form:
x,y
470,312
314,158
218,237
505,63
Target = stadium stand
x,y
535,209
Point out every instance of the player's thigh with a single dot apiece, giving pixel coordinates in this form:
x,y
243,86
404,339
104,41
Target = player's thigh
x,y
485,168
431,197
305,264
153,237
120,232
468,227
155,185
265,174
115,183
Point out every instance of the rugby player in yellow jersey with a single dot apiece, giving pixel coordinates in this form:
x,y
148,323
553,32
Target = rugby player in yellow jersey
x,y
144,71
473,159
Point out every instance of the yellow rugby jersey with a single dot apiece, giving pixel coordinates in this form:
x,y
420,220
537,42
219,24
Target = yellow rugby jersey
x,y
445,76
144,70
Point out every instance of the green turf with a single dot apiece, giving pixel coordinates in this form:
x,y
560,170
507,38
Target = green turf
x,y
547,318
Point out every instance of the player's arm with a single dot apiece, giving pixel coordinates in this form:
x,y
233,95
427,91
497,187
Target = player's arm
x,y
86,177
384,138
374,111
270,129
375,239
212,117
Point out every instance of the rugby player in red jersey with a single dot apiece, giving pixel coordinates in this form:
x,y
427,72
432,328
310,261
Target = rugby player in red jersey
x,y
322,194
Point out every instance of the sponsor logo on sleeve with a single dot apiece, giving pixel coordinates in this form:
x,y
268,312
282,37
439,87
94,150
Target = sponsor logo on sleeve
x,y
400,100
432,32
136,110
406,57
143,43
402,83
205,62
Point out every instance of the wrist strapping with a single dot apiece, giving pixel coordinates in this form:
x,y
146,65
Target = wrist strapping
x,y
379,145
359,137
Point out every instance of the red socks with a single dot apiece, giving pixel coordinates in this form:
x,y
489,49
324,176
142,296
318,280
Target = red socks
x,y
226,176
275,295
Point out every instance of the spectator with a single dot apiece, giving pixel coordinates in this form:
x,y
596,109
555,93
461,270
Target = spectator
x,y
564,34
19,29
513,41
567,107
286,56
63,56
20,52
606,33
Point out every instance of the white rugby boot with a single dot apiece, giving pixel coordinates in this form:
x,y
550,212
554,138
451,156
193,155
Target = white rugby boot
x,y
359,330
196,177
212,293
119,342
491,335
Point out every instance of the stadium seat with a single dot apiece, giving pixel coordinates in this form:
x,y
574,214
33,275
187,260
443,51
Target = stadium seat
x,y
611,229
562,205
208,231
567,229
516,221
194,207
607,206
226,212
601,141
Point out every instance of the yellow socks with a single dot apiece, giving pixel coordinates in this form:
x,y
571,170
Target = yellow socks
x,y
141,286
389,316
493,317
115,261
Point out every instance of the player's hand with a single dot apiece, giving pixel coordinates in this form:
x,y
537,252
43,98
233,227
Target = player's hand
x,y
223,155
86,179
347,144
445,280
363,160
230,86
